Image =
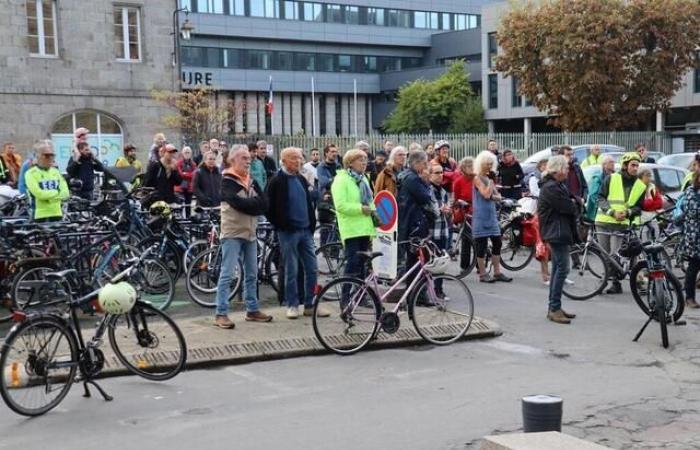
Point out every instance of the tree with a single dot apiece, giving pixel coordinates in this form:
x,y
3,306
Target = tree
x,y
599,64
446,104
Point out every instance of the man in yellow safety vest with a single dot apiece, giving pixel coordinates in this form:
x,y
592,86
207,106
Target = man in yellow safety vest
x,y
619,203
594,159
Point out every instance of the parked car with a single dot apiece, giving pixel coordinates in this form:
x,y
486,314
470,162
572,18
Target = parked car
x,y
617,155
681,160
580,153
667,179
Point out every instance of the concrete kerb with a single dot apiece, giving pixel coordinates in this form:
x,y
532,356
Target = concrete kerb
x,y
202,356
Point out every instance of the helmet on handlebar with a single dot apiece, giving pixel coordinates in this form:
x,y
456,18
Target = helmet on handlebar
x,y
439,264
160,209
117,298
631,247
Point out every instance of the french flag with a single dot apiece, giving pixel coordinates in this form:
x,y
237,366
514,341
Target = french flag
x,y
270,106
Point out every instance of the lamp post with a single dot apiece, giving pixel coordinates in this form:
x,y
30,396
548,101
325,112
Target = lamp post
x,y
184,32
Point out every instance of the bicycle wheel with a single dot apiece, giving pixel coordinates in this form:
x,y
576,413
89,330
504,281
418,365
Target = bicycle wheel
x,y
462,252
38,364
155,283
331,262
514,255
658,295
192,251
441,309
588,275
170,256
30,290
148,342
273,261
672,291
354,315
674,256
203,277
104,270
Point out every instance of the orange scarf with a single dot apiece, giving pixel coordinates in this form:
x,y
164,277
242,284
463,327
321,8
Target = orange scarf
x,y
242,177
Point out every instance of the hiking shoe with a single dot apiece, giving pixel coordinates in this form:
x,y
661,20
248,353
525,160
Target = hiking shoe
x,y
568,315
616,288
502,277
558,317
224,322
293,312
692,304
257,316
320,311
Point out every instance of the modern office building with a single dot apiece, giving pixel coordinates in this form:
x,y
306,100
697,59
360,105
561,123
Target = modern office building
x,y
334,67
506,111
72,63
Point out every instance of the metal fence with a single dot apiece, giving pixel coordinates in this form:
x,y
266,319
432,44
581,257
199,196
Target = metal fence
x,y
471,144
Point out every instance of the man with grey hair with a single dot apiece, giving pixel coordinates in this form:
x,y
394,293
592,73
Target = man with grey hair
x,y
292,213
46,185
268,162
594,158
557,211
371,170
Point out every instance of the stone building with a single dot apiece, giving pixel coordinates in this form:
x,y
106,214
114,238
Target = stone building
x,y
72,63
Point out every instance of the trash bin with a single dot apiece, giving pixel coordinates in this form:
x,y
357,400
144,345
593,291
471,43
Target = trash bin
x,y
542,413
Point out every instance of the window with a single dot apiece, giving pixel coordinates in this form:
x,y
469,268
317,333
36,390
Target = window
x,y
106,137
528,102
369,64
232,58
291,10
516,99
421,19
410,63
398,18
392,17
192,56
493,49
344,63
461,22
127,33
434,21
352,15
668,180
41,24
473,21
334,13
284,61
325,63
313,12
388,63
264,8
236,7
304,61
210,6
258,59
445,22
493,91
375,16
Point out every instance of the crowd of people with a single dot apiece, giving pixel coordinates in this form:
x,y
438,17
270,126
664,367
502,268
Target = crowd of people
x,y
434,193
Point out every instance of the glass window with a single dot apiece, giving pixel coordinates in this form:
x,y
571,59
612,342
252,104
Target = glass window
x,y
405,18
445,23
236,7
291,10
493,91
370,64
344,63
325,63
473,21
272,9
210,6
334,13
127,33
106,137
388,63
410,63
186,4
304,61
493,49
421,19
461,22
232,58
392,17
434,21
258,59
375,16
192,56
313,12
285,61
41,24
668,180
516,98
213,57
257,8
352,15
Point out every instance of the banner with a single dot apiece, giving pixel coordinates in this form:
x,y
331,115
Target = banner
x,y
106,148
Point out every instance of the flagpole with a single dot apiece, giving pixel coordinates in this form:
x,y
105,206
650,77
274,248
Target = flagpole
x,y
272,110
313,108
354,91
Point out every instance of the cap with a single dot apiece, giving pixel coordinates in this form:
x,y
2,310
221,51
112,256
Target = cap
x,y
441,143
79,131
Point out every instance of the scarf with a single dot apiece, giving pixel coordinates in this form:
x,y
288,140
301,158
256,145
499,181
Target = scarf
x,y
365,192
242,177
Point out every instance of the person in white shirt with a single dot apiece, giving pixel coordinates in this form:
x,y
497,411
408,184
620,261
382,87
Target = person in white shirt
x,y
309,169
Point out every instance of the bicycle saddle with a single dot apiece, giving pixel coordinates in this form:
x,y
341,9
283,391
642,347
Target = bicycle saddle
x,y
653,249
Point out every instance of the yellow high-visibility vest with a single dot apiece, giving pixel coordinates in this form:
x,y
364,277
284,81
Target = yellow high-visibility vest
x,y
616,199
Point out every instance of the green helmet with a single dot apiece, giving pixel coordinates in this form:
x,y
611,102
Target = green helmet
x,y
630,156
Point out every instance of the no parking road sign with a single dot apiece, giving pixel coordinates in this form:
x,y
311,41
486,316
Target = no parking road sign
x,y
388,211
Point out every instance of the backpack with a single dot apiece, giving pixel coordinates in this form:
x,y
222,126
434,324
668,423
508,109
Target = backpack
x,y
678,212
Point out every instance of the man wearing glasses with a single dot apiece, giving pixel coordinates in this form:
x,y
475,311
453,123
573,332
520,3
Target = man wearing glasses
x,y
46,184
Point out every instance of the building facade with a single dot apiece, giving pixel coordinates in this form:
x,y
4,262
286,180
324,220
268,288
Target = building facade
x,y
93,64
506,111
334,68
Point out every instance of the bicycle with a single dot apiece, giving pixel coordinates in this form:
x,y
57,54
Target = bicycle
x,y
43,352
440,306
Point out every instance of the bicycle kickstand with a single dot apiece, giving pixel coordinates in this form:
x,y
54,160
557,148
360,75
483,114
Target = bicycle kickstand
x,y
644,327
105,396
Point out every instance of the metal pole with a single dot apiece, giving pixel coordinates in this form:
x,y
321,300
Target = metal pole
x,y
313,108
354,90
272,112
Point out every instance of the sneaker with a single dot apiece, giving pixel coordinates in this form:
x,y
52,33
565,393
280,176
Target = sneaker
x,y
292,312
487,279
558,317
692,304
320,312
502,277
567,281
257,316
224,322
546,283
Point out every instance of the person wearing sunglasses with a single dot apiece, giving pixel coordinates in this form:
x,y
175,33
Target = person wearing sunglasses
x,y
46,185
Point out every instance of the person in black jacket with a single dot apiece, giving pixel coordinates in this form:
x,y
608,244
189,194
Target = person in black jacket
x,y
292,213
511,174
268,162
163,176
82,166
207,182
557,211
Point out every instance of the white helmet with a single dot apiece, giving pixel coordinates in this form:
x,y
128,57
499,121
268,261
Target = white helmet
x,y
439,264
117,298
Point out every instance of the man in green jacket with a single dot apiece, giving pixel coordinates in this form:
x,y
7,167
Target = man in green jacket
x,y
46,184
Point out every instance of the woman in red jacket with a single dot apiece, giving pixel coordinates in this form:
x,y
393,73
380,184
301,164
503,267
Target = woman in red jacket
x,y
186,167
463,187
652,201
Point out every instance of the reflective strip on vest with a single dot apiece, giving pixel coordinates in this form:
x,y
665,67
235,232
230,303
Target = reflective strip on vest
x,y
616,199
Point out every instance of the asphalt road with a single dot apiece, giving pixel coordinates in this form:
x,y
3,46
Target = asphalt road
x,y
616,392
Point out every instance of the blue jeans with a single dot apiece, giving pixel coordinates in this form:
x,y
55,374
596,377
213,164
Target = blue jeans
x,y
560,269
297,246
233,251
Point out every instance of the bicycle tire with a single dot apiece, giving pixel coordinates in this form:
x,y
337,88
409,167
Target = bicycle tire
x,y
368,309
596,273
513,243
16,369
194,249
461,241
273,260
661,316
171,256
422,315
155,283
25,279
640,295
145,338
203,278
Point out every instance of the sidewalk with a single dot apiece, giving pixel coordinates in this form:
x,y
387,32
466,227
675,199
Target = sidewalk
x,y
281,338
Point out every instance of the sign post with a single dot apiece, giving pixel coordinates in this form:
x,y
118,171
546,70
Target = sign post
x,y
386,241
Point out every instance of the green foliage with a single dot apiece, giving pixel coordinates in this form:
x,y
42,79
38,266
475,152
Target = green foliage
x,y
599,64
444,105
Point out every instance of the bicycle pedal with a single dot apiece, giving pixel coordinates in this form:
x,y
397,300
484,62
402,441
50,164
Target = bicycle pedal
x,y
680,322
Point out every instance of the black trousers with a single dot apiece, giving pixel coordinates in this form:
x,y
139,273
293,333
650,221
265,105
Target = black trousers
x,y
691,278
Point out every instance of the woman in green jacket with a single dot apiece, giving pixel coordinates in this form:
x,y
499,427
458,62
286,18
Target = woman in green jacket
x,y
354,206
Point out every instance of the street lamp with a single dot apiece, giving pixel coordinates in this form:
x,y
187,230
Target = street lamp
x,y
184,32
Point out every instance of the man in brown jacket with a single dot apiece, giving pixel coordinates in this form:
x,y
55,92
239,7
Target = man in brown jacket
x,y
242,201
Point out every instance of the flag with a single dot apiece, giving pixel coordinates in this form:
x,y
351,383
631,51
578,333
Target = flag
x,y
270,106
